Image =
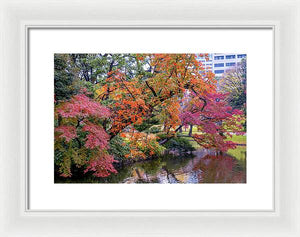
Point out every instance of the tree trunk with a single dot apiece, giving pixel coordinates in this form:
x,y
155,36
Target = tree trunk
x,y
191,130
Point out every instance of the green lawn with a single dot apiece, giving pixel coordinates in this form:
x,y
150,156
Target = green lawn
x,y
240,139
238,153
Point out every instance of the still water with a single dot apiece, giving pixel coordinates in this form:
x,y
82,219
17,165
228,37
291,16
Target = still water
x,y
201,166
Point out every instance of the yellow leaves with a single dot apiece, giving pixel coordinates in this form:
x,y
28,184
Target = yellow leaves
x,y
79,157
141,144
100,92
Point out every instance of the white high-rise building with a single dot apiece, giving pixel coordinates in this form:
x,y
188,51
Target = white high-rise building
x,y
218,63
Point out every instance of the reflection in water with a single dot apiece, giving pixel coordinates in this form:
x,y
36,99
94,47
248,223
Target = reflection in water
x,y
220,169
203,166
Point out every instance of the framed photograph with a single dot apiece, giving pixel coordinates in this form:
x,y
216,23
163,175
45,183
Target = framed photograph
x,y
160,122
160,114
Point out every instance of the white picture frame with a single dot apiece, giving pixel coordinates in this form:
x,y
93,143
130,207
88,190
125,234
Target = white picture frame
x,y
16,17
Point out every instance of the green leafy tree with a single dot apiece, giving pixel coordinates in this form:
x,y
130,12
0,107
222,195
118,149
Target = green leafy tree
x,y
63,78
234,83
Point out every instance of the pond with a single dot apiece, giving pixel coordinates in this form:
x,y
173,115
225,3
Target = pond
x,y
200,166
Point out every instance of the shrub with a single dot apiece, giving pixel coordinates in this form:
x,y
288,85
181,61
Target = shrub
x,y
178,143
118,148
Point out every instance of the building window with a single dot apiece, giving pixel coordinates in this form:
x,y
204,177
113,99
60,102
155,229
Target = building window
x,y
241,56
230,56
219,57
219,64
230,64
219,71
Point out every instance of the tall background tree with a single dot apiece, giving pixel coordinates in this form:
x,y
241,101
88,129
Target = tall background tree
x,y
234,83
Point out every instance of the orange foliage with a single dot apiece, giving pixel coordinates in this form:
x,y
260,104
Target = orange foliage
x,y
171,76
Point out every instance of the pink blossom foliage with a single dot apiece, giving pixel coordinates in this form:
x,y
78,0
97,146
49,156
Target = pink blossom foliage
x,y
216,141
102,165
215,108
215,119
67,132
97,136
82,106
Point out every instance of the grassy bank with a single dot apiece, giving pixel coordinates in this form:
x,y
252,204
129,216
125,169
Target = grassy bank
x,y
239,139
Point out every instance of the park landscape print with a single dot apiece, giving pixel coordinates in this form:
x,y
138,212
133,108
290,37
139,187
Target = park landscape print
x,y
150,118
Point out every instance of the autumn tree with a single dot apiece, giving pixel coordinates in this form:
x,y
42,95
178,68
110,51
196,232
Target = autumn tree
x,y
80,137
216,120
156,93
